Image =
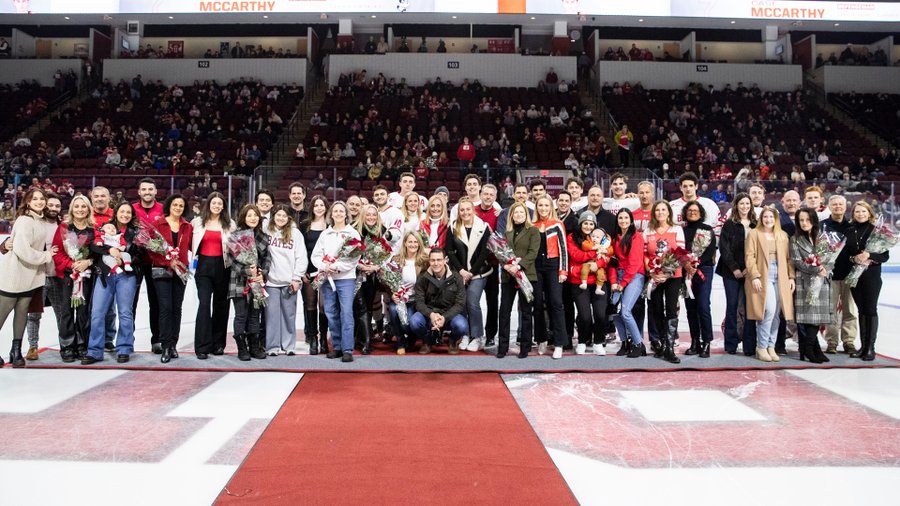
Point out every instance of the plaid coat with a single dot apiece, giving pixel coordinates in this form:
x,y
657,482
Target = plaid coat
x,y
818,313
238,281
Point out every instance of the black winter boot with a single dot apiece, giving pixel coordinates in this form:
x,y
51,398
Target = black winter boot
x,y
364,332
256,346
312,338
323,334
872,331
670,339
695,347
15,354
243,347
625,349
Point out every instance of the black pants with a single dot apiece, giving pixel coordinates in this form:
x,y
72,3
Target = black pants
x,y
143,273
508,293
664,302
492,294
591,314
867,291
212,311
549,295
246,317
170,294
568,302
73,323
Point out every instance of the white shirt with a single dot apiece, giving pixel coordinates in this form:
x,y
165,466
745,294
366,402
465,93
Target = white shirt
x,y
455,209
712,211
396,200
579,204
614,205
392,219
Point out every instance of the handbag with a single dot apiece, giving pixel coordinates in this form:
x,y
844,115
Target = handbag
x,y
161,273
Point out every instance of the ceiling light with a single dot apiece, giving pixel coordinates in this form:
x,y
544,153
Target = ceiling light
x,y
837,24
532,17
733,21
265,16
641,20
67,17
454,17
374,16
171,17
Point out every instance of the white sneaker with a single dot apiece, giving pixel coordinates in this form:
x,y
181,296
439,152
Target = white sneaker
x,y
274,353
464,343
599,350
580,349
557,352
476,344
542,348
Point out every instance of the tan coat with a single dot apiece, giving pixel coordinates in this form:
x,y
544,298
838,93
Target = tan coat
x,y
24,267
758,268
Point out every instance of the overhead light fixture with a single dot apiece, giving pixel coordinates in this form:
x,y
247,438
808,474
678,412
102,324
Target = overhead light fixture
x,y
171,17
67,17
837,24
641,20
454,17
374,16
265,16
733,21
532,17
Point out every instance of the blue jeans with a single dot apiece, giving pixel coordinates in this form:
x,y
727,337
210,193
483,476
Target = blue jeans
x,y
698,308
421,327
473,307
120,289
339,309
735,302
767,328
400,330
624,321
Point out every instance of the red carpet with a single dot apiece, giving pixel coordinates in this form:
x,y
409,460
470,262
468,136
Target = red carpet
x,y
398,439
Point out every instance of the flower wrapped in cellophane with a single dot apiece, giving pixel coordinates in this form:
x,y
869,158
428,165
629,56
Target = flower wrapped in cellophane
x,y
377,252
666,261
242,246
391,276
505,255
881,240
827,248
702,240
350,249
149,238
76,246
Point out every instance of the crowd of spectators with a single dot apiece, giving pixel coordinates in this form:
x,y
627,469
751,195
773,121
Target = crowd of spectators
x,y
392,127
224,51
850,56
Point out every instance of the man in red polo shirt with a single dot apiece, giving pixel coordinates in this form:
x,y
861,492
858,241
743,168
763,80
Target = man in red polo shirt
x,y
147,210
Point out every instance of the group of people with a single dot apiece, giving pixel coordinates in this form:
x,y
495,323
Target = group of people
x,y
578,267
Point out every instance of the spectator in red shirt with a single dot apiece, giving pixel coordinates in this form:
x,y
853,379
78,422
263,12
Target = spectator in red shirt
x,y
465,153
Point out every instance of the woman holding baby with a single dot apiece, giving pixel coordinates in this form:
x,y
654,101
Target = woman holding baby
x,y
591,300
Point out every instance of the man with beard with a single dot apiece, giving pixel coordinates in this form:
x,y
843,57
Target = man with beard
x,y
147,210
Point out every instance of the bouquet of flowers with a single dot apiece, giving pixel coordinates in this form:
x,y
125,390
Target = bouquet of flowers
x,y
827,248
77,249
702,240
242,246
666,261
377,252
882,239
391,276
504,254
350,249
149,238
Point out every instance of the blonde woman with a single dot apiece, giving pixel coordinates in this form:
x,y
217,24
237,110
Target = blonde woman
x,y
435,224
525,241
771,275
412,259
552,266
412,213
369,226
868,289
73,323
468,255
